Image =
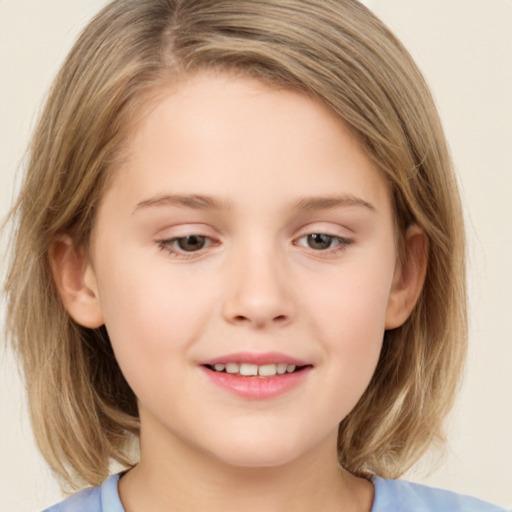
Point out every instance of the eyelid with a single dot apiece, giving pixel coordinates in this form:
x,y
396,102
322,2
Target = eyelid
x,y
326,228
343,242
167,244
332,230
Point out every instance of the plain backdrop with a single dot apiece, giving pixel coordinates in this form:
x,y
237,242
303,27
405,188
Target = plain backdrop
x,y
464,48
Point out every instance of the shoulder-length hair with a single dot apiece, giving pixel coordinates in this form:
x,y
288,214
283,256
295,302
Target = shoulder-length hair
x,y
336,51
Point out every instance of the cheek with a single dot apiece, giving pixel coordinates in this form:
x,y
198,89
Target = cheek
x,y
349,316
352,302
150,315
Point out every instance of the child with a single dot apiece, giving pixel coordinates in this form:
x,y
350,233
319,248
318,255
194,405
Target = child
x,y
239,240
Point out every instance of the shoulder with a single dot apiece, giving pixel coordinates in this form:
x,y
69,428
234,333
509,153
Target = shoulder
x,y
97,499
402,496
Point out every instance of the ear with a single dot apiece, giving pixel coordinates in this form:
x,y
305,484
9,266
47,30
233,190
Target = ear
x,y
409,277
76,282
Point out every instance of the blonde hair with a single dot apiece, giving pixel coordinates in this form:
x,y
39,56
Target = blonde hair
x,y
83,411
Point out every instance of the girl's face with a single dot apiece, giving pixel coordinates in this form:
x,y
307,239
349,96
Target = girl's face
x,y
246,229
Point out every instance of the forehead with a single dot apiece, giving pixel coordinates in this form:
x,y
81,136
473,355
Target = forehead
x,y
214,131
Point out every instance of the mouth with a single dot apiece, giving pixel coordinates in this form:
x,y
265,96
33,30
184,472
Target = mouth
x,y
255,370
257,376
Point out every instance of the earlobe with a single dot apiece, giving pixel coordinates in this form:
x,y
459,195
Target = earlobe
x,y
75,280
409,278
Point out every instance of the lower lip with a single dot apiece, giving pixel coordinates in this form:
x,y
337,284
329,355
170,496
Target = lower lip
x,y
257,388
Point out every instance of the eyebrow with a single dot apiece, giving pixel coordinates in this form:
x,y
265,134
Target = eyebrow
x,y
329,202
202,202
194,201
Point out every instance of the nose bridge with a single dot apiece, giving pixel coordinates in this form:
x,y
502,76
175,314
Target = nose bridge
x,y
260,293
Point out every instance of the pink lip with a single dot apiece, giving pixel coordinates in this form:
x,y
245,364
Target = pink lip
x,y
255,358
257,388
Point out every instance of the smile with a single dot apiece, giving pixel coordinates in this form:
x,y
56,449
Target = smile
x,y
256,376
253,370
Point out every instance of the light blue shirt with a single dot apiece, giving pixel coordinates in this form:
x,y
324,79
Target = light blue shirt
x,y
390,496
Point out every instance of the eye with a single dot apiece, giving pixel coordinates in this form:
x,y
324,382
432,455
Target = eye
x,y
180,246
323,241
190,243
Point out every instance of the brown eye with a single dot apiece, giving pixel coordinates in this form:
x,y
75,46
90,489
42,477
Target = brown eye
x,y
319,241
191,243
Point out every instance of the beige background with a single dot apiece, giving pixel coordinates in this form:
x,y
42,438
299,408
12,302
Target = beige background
x,y
464,48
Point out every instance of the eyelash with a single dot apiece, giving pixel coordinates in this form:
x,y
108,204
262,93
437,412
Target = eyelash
x,y
169,245
342,243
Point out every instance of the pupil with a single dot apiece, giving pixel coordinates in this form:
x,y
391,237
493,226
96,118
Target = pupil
x,y
191,243
319,241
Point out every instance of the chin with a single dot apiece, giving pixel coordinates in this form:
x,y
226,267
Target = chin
x,y
261,452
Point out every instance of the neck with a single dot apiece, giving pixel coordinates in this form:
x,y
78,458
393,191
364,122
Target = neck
x,y
178,477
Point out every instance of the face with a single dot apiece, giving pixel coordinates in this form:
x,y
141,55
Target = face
x,y
246,233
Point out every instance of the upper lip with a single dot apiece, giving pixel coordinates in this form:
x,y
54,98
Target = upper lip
x,y
256,358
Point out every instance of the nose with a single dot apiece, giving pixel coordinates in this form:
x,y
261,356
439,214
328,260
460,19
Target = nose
x,y
260,292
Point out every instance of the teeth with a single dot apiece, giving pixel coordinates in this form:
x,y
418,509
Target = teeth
x,y
281,368
232,368
267,370
247,369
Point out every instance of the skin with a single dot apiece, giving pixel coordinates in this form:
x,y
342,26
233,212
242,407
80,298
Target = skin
x,y
257,285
